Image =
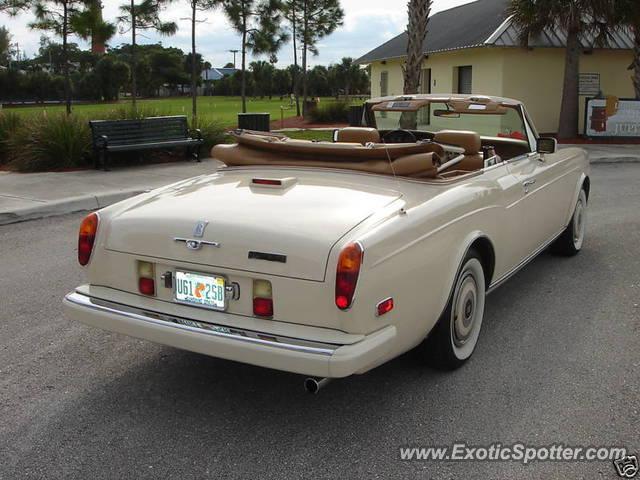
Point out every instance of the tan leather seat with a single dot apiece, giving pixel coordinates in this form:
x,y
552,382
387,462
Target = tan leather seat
x,y
358,135
469,141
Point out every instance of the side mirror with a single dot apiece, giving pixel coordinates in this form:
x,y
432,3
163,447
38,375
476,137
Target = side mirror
x,y
335,135
547,145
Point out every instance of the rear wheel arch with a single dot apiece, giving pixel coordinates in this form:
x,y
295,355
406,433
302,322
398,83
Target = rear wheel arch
x,y
483,246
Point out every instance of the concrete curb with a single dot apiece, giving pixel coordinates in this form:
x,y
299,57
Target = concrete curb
x,y
83,203
594,160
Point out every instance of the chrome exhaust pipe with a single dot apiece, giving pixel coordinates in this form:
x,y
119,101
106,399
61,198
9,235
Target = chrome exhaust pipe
x,y
312,386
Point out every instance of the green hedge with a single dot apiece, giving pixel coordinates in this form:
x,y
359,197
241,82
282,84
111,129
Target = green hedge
x,y
330,112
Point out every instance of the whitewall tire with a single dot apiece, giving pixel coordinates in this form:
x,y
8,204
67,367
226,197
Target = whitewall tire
x,y
455,336
570,242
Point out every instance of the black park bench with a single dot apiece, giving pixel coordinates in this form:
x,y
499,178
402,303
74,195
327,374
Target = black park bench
x,y
111,136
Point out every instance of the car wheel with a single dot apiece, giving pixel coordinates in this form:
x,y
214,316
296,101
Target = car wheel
x,y
570,242
455,336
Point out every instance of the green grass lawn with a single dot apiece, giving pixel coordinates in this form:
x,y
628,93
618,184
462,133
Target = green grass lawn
x,y
319,135
221,109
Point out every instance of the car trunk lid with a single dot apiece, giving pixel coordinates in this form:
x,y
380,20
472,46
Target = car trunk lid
x,y
287,229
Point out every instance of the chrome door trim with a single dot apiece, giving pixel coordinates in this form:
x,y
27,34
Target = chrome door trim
x,y
523,263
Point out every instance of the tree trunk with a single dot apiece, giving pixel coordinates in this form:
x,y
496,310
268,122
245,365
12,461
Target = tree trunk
x,y
194,70
97,42
295,58
65,57
569,108
134,75
305,31
243,80
418,13
636,60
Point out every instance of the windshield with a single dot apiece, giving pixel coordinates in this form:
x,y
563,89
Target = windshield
x,y
435,117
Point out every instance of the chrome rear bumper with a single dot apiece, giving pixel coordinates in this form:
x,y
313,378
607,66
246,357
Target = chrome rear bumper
x,y
279,352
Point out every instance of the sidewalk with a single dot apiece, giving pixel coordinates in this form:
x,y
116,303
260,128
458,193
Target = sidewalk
x,y
610,153
26,196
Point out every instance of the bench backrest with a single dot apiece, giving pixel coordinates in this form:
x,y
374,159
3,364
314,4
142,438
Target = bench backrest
x,y
145,130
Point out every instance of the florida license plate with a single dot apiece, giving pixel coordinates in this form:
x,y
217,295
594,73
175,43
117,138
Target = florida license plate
x,y
200,290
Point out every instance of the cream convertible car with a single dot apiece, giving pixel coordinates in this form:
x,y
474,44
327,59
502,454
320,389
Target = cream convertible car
x,y
330,258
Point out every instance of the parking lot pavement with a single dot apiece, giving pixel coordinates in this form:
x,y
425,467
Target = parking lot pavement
x,y
557,362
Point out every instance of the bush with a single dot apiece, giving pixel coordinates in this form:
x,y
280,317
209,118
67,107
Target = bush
x,y
49,142
9,123
332,112
212,132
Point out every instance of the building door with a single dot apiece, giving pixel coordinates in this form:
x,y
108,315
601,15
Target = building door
x,y
384,83
425,87
425,81
465,80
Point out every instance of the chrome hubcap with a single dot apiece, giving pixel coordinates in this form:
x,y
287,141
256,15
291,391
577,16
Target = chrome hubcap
x,y
464,311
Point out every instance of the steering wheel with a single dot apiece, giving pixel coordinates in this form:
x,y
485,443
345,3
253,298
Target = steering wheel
x,y
399,136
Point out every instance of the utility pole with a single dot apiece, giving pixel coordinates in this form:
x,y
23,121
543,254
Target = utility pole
x,y
234,57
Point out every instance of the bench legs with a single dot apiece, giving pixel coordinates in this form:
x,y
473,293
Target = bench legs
x,y
102,159
194,153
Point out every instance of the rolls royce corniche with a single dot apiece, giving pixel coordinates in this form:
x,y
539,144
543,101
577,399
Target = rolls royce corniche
x,y
329,258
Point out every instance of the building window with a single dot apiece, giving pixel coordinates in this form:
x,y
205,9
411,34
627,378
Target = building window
x,y
465,79
384,84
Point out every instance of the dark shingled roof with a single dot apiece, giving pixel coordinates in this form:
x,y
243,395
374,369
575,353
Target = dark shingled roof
x,y
477,24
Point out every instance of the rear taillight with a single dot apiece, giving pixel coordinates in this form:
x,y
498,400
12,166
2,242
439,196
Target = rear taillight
x,y
86,237
347,274
262,298
146,278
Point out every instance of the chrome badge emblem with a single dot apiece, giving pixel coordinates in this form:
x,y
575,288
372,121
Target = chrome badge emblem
x,y
198,232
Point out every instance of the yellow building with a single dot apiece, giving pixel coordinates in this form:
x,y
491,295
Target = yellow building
x,y
475,48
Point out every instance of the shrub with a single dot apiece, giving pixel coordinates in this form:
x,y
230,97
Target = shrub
x,y
48,142
212,132
9,123
331,112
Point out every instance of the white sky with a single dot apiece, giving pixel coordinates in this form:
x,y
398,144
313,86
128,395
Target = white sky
x,y
367,24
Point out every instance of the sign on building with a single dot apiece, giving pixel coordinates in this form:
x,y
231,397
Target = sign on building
x,y
612,117
589,84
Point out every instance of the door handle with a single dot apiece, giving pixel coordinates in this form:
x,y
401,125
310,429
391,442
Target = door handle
x,y
527,184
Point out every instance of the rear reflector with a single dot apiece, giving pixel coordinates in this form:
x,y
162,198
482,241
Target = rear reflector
x,y
146,278
262,298
384,306
263,307
347,274
86,237
147,286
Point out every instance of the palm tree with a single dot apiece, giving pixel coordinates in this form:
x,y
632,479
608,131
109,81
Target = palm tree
x,y
576,18
90,24
259,24
418,12
144,15
628,16
347,74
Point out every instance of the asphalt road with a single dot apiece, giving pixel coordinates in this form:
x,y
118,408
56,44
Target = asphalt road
x,y
558,362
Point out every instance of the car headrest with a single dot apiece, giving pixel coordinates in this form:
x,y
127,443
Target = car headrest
x,y
470,141
358,135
